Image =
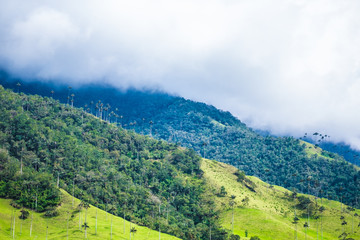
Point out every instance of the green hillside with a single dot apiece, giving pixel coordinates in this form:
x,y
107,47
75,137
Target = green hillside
x,y
45,145
267,211
66,224
215,134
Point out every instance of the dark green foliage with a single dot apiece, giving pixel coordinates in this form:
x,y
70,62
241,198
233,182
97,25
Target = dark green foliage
x,y
219,135
240,175
24,214
25,188
104,164
222,192
234,237
51,213
254,238
344,235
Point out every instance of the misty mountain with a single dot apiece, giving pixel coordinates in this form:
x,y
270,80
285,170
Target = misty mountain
x,y
214,134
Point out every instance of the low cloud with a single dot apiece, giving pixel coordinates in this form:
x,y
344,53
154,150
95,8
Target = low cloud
x,y
286,66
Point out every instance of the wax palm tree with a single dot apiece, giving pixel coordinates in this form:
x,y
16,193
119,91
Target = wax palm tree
x,y
133,231
86,205
232,203
85,226
68,96
306,226
18,85
111,210
295,222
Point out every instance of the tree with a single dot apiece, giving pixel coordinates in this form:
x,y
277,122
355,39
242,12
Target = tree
x,y
24,214
222,192
295,222
306,226
232,203
18,85
234,237
80,206
111,210
133,231
255,238
85,226
67,225
85,205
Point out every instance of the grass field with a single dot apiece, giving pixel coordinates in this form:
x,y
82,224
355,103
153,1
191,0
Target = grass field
x,y
56,227
269,213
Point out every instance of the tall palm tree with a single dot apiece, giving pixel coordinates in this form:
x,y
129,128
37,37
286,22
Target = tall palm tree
x,y
232,203
306,226
159,220
72,100
31,223
68,96
18,85
86,205
133,231
111,210
85,226
295,222
13,228
67,225
80,206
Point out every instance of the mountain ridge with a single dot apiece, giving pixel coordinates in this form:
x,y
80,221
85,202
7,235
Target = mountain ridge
x,y
218,135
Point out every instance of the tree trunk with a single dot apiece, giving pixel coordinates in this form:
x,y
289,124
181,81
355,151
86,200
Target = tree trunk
x,y
80,220
232,221
96,222
14,226
111,226
31,223
159,223
130,230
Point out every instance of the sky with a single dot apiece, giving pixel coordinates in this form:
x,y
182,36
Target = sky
x,y
285,66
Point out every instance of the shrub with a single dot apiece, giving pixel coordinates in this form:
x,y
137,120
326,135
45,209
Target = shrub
x,y
24,214
51,213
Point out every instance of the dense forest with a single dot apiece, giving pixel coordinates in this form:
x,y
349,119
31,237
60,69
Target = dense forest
x,y
45,145
218,135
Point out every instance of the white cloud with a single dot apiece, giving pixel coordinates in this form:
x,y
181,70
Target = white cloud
x,y
288,66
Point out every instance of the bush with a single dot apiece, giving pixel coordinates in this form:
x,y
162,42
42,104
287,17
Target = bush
x,y
51,213
234,237
255,238
15,204
24,214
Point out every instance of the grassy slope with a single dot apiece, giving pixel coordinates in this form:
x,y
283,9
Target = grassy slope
x,y
269,213
312,150
57,225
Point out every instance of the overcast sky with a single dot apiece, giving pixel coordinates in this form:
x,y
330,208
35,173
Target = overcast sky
x,y
287,66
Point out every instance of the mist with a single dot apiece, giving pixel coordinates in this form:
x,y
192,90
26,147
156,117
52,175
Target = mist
x,y
288,67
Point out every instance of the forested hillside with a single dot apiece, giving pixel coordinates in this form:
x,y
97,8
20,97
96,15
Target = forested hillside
x,y
252,208
45,145
218,135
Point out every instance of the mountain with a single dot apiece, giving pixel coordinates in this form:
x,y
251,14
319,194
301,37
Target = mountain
x,y
214,134
254,208
45,145
65,225
259,209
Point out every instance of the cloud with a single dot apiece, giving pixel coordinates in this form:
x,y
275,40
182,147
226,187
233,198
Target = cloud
x,y
286,66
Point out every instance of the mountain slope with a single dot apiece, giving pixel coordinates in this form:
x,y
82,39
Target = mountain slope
x,y
44,144
267,211
218,135
60,228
